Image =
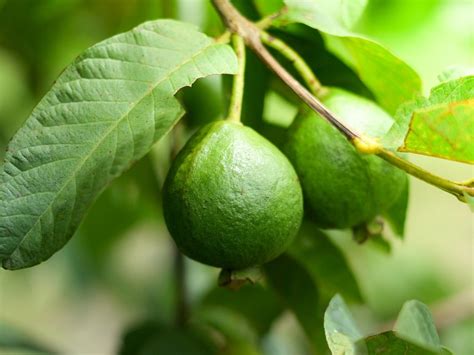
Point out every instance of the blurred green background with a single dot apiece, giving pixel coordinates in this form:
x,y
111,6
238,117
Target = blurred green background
x,y
119,268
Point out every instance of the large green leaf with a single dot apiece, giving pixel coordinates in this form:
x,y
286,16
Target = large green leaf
x,y
390,79
103,113
298,292
441,125
150,337
325,263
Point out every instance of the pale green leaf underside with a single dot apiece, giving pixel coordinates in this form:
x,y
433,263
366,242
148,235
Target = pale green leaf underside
x,y
103,113
391,80
342,333
415,323
441,125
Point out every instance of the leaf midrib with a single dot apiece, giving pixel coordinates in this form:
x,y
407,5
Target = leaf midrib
x,y
114,126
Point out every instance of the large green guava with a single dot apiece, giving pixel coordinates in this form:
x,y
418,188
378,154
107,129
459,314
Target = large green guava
x,y
342,187
231,198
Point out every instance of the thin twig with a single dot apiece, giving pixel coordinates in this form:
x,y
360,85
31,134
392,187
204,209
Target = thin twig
x,y
298,62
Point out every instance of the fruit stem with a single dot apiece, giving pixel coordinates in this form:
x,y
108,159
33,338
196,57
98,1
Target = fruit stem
x,y
298,62
235,107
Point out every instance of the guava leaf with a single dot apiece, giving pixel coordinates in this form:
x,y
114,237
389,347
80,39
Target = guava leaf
x,y
441,125
342,333
391,344
103,113
299,293
257,304
325,263
150,337
415,323
229,322
397,213
391,80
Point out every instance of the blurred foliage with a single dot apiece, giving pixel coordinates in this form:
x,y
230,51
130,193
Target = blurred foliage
x,y
118,271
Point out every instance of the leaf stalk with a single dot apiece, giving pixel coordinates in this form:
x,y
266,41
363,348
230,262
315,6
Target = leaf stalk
x,y
238,84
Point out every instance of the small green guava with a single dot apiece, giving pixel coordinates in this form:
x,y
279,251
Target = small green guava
x,y
342,187
231,198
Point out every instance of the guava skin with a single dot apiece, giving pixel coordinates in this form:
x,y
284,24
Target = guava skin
x,y
342,187
231,198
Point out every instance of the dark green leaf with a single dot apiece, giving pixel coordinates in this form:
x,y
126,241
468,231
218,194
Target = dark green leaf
x,y
240,337
203,102
325,263
396,214
390,79
257,304
415,323
440,125
389,343
342,334
104,112
132,198
329,69
298,292
150,338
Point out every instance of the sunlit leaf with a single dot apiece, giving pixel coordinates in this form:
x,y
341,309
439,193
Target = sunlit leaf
x,y
390,79
441,125
103,113
330,16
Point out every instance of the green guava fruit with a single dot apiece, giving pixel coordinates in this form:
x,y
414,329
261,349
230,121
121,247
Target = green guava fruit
x,y
231,198
342,187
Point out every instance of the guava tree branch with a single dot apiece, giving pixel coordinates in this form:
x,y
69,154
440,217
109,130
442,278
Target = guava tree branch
x,y
253,36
